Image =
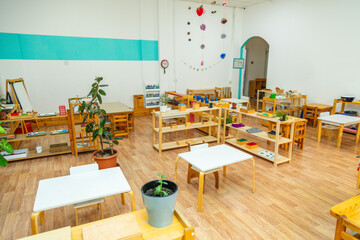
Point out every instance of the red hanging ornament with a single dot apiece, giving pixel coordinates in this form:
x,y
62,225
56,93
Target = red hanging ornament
x,y
200,10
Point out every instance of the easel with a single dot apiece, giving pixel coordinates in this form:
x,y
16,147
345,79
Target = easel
x,y
76,135
17,104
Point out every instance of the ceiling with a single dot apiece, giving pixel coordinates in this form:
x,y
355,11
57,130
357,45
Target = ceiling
x,y
231,3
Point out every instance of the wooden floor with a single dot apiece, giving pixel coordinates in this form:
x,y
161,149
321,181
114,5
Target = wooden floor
x,y
291,201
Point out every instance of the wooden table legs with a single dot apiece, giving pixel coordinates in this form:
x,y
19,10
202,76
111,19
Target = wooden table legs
x,y
201,190
35,221
357,134
36,215
132,200
339,228
319,130
340,135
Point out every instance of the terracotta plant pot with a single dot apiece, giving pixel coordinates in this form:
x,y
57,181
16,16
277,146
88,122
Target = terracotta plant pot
x,y
227,132
106,162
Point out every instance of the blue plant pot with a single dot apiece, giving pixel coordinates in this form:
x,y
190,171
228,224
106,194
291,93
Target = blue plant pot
x,y
160,210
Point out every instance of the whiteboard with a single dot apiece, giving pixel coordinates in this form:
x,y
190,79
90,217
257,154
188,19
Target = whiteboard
x,y
22,96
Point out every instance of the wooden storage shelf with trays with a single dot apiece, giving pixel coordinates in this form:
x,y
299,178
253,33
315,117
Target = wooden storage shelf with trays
x,y
178,97
262,135
160,129
15,122
294,104
210,93
77,132
201,115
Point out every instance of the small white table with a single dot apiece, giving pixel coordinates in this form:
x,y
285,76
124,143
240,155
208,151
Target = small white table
x,y
211,158
71,189
338,120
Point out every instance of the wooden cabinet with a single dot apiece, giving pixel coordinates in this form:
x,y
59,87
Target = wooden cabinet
x,y
257,84
138,101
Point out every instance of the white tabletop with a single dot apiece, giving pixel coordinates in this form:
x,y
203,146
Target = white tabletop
x,y
214,157
339,119
234,100
71,189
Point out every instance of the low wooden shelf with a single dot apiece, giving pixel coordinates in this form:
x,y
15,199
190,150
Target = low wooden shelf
x,y
263,135
160,129
45,153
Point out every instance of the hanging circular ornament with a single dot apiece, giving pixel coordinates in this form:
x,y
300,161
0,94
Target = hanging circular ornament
x,y
202,63
202,46
223,55
225,3
223,20
213,12
188,33
223,36
164,64
188,23
203,27
213,2
189,7
189,39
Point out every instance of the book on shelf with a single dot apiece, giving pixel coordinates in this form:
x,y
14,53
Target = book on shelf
x,y
19,153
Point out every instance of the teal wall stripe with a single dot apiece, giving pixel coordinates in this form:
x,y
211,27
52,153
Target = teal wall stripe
x,y
45,47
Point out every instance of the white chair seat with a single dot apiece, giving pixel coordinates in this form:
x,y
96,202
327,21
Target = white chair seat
x,y
207,172
88,203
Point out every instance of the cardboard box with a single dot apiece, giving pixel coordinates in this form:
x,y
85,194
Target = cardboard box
x,y
173,126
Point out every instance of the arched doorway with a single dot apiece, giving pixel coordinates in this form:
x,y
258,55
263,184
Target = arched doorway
x,y
255,52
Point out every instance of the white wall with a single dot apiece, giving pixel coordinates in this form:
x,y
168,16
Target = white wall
x,y
314,45
51,83
174,46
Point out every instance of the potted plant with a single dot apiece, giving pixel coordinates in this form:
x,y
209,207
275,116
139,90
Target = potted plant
x,y
227,121
4,145
95,119
163,101
282,115
159,197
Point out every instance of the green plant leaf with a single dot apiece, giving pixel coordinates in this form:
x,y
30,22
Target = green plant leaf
x,y
99,98
102,92
115,142
103,121
164,193
165,183
157,190
6,146
3,161
2,130
118,138
100,131
103,85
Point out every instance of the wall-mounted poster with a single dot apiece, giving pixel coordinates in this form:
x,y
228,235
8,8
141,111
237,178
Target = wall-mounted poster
x,y
238,63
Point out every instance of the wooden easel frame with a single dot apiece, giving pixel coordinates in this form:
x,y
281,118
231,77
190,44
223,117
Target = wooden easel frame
x,y
10,82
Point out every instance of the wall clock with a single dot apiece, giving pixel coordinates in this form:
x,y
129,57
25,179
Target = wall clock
x,y
164,64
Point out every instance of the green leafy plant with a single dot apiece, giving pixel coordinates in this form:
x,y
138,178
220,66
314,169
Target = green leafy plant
x,y
4,145
164,99
282,115
159,189
95,118
227,121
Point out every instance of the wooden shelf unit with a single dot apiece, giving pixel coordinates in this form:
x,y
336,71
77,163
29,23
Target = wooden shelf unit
x,y
160,130
295,104
45,153
262,135
337,101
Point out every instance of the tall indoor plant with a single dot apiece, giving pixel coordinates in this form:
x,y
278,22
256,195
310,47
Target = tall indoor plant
x,y
4,145
159,197
96,123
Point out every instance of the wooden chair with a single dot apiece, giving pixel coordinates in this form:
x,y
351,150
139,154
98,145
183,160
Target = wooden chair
x,y
329,130
98,201
194,172
299,133
311,114
121,123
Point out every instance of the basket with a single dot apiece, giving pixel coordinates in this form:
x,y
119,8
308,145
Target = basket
x,y
273,136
